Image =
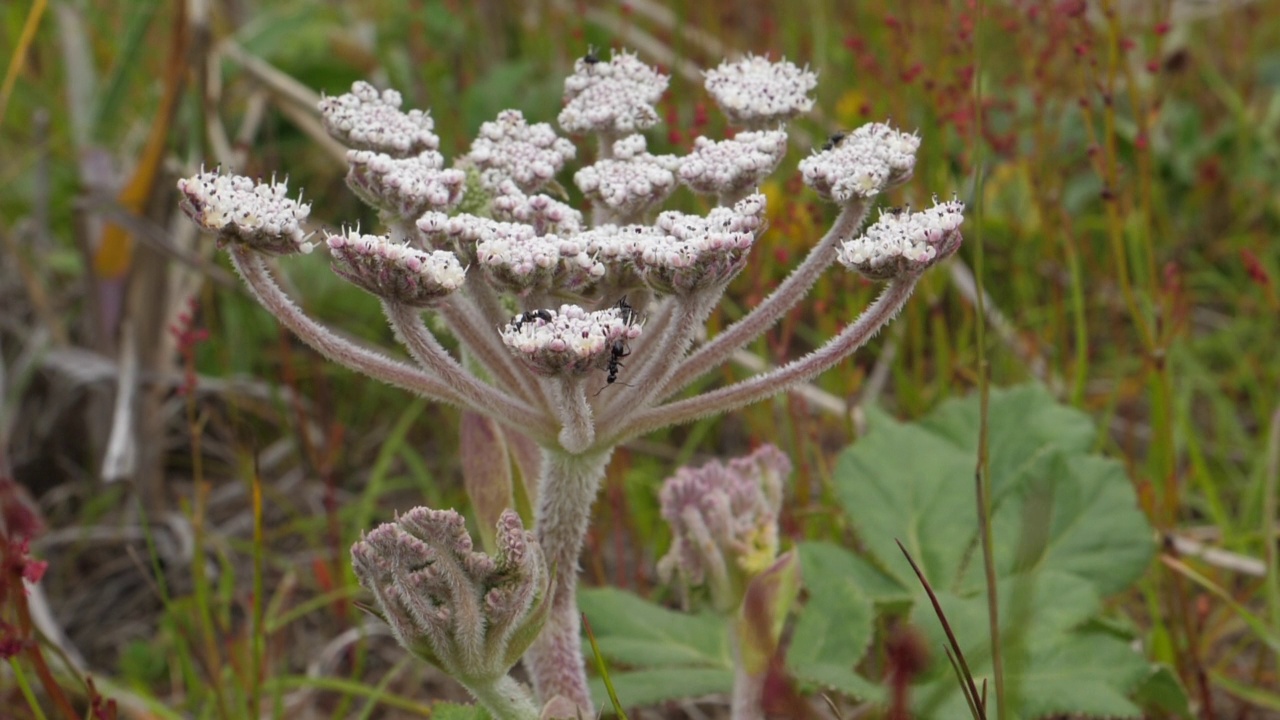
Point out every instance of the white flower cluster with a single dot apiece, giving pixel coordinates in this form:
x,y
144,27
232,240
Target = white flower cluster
x,y
902,242
731,166
861,164
395,271
688,253
632,181
368,120
755,92
405,187
239,209
572,341
509,148
616,97
512,255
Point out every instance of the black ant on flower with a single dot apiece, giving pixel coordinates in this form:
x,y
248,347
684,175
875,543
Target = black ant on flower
x,y
619,349
530,316
833,141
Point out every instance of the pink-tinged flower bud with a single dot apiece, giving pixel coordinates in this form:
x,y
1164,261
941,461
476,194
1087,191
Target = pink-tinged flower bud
x,y
365,119
511,149
723,522
395,271
729,167
861,164
405,187
616,97
903,243
631,182
469,614
755,92
514,258
240,210
571,341
686,253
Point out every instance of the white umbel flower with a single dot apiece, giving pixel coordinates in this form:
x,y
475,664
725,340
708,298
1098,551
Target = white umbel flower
x,y
241,210
405,187
630,182
732,166
903,243
687,253
546,214
616,97
861,164
365,119
395,271
571,341
755,92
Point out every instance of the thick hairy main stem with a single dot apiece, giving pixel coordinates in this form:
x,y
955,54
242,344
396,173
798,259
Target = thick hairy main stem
x,y
565,493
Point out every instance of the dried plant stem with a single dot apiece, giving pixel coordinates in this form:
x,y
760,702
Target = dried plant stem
x,y
760,387
782,299
566,491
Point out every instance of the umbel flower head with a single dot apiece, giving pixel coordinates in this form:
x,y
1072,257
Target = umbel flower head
x,y
365,119
395,271
240,210
571,341
611,97
728,167
510,149
861,164
405,187
756,92
469,614
903,243
630,182
723,522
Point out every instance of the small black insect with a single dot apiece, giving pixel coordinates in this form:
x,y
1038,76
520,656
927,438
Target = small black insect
x,y
896,210
617,351
626,311
591,58
530,316
833,141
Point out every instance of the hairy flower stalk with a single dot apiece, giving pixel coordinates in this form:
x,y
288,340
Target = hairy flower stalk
x,y
576,335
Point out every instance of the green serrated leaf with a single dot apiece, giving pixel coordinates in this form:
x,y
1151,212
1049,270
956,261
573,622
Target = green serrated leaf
x,y
635,632
835,627
647,687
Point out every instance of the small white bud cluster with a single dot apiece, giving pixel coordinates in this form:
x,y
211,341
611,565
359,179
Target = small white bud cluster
x,y
902,242
733,166
512,255
239,209
405,187
395,271
614,98
755,92
861,164
368,120
546,214
633,181
509,148
572,341
687,253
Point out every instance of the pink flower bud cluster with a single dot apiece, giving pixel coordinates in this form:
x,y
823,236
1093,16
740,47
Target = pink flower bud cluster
x,y
728,167
861,164
395,271
546,214
240,210
509,148
687,253
365,119
614,97
631,182
405,187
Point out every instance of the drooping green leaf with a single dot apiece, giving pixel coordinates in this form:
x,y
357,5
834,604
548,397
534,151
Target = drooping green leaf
x,y
636,688
835,626
1161,695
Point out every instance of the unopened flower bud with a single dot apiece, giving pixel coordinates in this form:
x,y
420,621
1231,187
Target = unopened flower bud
x,y
723,522
405,187
904,243
365,119
468,613
547,215
861,164
614,97
571,341
755,92
240,210
395,271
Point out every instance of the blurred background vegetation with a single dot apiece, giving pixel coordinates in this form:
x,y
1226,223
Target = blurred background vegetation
x,y
1122,161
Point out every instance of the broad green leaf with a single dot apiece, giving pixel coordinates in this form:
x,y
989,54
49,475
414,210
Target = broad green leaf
x,y
671,654
881,587
835,626
1081,516
1161,692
